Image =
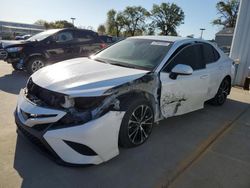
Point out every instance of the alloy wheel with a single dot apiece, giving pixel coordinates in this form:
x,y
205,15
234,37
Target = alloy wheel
x,y
36,65
140,124
223,91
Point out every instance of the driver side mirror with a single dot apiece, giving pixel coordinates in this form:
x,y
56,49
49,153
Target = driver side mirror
x,y
180,69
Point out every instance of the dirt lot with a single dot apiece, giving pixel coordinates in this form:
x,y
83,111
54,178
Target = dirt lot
x,y
174,145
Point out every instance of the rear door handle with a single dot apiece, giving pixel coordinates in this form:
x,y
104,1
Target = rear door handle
x,y
204,76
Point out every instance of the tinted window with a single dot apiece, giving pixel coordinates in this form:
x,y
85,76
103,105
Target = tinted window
x,y
216,55
85,36
64,36
190,55
210,54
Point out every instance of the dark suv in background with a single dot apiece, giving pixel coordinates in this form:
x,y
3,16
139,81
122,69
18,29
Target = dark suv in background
x,y
51,46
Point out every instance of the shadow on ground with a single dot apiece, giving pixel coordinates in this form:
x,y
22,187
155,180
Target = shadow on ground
x,y
12,83
144,166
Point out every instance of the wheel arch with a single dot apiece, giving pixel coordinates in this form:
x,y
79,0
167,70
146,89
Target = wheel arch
x,y
34,55
136,94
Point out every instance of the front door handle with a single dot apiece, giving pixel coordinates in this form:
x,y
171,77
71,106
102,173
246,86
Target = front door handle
x,y
204,76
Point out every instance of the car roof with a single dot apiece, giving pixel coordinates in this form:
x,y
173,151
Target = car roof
x,y
162,38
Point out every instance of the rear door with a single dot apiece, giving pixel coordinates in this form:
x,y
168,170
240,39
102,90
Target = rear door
x,y
214,67
186,93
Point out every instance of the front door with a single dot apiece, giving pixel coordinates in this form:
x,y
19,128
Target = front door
x,y
186,93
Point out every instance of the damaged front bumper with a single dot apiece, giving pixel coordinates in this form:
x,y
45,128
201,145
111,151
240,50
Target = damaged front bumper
x,y
90,143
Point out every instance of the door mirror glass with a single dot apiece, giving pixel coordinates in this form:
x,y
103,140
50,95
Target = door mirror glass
x,y
181,69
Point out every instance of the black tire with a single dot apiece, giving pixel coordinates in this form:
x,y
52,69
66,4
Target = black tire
x,y
14,65
135,131
34,64
222,93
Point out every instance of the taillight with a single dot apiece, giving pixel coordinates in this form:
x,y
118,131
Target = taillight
x,y
103,45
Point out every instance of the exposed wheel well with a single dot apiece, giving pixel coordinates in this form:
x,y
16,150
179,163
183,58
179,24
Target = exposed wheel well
x,y
125,98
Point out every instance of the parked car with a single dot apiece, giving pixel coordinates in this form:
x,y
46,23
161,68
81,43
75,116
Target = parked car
x,y
82,109
108,40
51,46
22,37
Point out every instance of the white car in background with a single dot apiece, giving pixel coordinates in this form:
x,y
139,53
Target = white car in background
x,y
82,110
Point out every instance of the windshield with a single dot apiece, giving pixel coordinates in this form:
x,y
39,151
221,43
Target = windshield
x,y
135,53
43,35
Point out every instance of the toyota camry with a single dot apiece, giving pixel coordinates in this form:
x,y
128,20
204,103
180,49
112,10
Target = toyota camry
x,y
82,110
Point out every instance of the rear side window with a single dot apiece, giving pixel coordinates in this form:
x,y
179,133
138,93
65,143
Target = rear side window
x,y
191,55
210,53
85,36
64,36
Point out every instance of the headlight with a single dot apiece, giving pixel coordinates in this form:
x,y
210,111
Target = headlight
x,y
14,49
88,103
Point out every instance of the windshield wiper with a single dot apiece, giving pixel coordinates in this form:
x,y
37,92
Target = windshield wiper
x,y
122,65
100,60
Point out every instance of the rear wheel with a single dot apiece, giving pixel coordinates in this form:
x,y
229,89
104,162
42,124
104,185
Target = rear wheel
x,y
223,92
34,64
137,123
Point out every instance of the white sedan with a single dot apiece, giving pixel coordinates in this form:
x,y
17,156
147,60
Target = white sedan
x,y
82,110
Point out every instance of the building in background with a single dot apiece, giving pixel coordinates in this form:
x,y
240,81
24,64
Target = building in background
x,y
224,39
9,30
241,43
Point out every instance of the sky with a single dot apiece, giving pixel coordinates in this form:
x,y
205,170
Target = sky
x,y
198,13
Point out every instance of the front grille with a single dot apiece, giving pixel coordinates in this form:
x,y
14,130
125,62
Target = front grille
x,y
44,97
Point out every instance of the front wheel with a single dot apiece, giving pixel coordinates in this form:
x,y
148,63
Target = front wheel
x,y
34,64
137,123
223,92
15,66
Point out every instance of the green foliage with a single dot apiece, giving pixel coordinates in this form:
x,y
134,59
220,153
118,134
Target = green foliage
x,y
228,11
115,23
55,25
135,20
167,17
101,29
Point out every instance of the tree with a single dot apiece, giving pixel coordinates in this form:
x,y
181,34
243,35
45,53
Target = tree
x,y
55,25
228,11
101,29
167,17
115,22
62,24
41,22
135,19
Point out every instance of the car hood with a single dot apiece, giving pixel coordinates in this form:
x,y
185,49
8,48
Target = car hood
x,y
10,43
84,77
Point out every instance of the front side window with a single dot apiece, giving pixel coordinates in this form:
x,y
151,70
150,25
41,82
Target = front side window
x,y
64,37
135,53
190,55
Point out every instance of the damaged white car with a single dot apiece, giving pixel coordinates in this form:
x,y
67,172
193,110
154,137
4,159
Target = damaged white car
x,y
82,110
